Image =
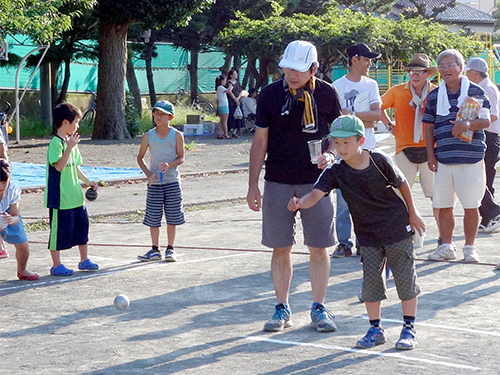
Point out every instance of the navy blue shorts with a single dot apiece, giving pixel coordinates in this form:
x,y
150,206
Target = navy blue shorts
x,y
164,198
68,228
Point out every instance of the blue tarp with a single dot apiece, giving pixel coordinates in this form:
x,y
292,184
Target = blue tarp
x,y
33,175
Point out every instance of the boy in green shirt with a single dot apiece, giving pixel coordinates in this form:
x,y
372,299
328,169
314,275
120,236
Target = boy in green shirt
x,y
69,222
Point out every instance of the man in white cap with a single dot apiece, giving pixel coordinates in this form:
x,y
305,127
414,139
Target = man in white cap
x,y
290,112
458,163
477,72
359,95
408,99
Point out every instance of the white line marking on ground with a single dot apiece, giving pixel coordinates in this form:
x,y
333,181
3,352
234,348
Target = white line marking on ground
x,y
403,357
468,330
139,267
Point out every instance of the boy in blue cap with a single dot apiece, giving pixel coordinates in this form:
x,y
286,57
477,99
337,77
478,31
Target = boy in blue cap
x,y
382,222
166,149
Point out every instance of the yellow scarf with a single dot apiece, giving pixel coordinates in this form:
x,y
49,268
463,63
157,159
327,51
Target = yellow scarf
x,y
305,95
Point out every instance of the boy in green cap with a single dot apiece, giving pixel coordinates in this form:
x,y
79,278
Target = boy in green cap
x,y
382,222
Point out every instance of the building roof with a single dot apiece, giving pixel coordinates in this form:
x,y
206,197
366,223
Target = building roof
x,y
460,13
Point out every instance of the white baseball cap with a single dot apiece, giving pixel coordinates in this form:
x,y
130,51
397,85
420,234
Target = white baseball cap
x,y
478,64
299,55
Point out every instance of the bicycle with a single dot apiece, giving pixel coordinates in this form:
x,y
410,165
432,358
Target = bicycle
x,y
198,105
87,121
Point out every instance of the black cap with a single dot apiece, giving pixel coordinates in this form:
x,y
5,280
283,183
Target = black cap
x,y
361,49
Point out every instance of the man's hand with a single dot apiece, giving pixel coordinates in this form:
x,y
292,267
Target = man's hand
x,y
432,163
254,200
459,127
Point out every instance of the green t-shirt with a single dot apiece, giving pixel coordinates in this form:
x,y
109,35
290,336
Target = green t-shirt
x,y
63,190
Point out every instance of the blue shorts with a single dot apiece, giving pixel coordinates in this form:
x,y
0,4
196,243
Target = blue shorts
x,y
14,234
68,228
164,198
223,110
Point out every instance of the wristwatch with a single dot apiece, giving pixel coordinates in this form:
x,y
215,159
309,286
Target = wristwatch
x,y
468,124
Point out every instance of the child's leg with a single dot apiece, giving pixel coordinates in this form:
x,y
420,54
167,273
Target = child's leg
x,y
22,255
155,236
171,229
373,310
56,258
84,249
223,123
3,249
410,307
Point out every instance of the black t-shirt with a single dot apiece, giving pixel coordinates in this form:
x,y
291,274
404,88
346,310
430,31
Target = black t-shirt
x,y
288,160
379,215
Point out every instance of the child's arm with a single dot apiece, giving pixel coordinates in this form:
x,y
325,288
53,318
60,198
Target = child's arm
x,y
72,141
307,201
140,159
12,218
416,221
179,141
84,178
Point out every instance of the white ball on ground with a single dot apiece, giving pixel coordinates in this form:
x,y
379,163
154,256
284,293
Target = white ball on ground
x,y
122,302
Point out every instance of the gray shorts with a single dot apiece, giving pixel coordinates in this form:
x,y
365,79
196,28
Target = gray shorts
x,y
278,223
400,258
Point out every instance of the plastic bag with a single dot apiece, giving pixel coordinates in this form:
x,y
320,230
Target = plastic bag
x,y
238,114
469,110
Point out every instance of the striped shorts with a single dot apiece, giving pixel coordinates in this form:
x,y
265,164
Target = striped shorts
x,y
164,198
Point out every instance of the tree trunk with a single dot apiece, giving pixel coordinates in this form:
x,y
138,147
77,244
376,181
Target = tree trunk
x,y
45,94
193,74
110,104
263,77
224,69
250,74
64,87
133,85
148,57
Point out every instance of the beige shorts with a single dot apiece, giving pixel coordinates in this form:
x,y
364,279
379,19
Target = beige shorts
x,y
465,181
409,169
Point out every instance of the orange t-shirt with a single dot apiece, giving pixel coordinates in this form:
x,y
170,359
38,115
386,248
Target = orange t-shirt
x,y
399,98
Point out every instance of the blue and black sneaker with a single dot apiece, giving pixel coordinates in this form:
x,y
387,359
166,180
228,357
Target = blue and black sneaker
x,y
151,255
374,336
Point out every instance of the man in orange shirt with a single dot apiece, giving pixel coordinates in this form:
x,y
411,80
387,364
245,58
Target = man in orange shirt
x,y
408,99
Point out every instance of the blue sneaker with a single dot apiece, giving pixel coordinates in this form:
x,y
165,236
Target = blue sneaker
x,y
374,336
282,318
322,319
407,339
150,256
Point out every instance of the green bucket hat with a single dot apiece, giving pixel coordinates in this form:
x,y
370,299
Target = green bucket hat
x,y
347,126
165,106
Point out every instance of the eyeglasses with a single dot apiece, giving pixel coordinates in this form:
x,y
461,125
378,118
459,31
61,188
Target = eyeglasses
x,y
447,66
417,72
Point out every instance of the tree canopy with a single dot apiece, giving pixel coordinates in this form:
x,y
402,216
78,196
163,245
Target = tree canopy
x,y
333,32
40,20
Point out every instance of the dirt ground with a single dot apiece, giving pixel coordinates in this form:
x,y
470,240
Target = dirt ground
x,y
203,154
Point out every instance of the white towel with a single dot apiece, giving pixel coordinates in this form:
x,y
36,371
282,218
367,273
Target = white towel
x,y
443,105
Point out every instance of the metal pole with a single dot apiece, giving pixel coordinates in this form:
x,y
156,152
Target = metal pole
x,y
16,109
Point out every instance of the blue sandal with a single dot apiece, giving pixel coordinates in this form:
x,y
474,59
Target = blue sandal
x,y
61,270
88,265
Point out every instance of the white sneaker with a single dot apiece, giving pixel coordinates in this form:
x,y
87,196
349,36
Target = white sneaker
x,y
444,252
470,254
492,225
481,228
